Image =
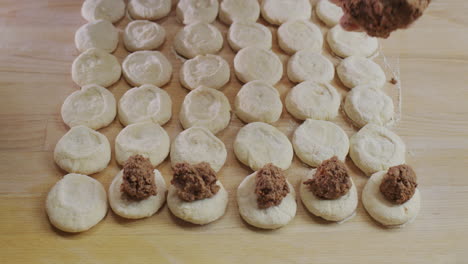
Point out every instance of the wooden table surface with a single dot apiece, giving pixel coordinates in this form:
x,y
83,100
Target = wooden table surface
x,y
36,52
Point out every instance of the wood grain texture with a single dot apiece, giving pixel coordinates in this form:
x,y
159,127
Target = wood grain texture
x,y
36,52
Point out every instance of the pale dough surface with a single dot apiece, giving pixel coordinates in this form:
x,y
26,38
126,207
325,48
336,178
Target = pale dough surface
x,y
149,9
246,11
277,12
99,34
143,35
198,39
205,70
96,66
296,35
110,10
193,11
355,70
329,13
347,43
147,67
254,63
308,65
242,35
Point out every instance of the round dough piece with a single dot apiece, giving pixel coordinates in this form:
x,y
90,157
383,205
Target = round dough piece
x,y
354,71
313,100
277,12
375,148
198,39
329,13
149,9
205,107
147,67
132,209
231,11
308,65
258,101
145,103
76,203
147,139
143,35
296,35
316,141
270,218
193,11
242,35
200,212
366,105
99,34
82,150
92,106
95,66
205,70
384,211
348,43
254,63
110,10
337,210
258,144
196,145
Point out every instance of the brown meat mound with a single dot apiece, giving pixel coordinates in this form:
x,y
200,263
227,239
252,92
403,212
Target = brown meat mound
x,y
399,185
138,178
331,180
270,186
194,182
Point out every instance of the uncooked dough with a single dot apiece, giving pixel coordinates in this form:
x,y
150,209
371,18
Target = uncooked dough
x,y
99,34
348,43
110,10
147,67
143,35
355,70
149,9
242,35
296,35
246,11
254,63
308,65
329,13
277,12
198,39
205,70
95,66
193,11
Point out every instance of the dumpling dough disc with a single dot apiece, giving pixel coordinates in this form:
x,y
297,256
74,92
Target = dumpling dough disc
x,y
254,63
296,35
231,11
143,35
193,11
242,35
205,70
110,10
198,39
354,71
307,65
147,67
95,66
277,12
329,13
99,34
149,9
346,43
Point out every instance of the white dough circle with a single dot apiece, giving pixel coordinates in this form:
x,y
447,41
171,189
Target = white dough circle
x,y
110,10
269,218
149,9
196,145
348,43
198,212
205,107
242,35
147,67
354,71
258,144
315,141
193,11
313,100
308,65
99,34
95,66
92,106
277,12
296,35
198,39
132,209
76,203
329,13
205,70
231,11
145,103
375,148
258,101
147,139
254,63
143,35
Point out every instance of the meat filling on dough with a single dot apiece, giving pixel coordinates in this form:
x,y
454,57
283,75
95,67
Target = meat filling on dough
x,y
138,178
271,186
194,182
399,184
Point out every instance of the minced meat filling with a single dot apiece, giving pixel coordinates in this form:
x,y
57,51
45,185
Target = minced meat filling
x,y
399,184
270,186
138,178
194,182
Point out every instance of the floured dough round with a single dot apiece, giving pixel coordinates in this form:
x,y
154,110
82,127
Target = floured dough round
x,y
348,43
277,12
198,39
143,35
147,67
313,100
258,101
145,103
205,70
149,9
193,11
316,141
196,145
365,104
329,13
132,209
198,212
95,66
147,139
258,144
254,63
205,107
270,218
308,65
110,10
242,35
355,70
92,106
76,203
375,148
296,35
384,211
337,210
246,11
99,34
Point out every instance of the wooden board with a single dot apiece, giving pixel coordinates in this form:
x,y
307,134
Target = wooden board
x,y
36,52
